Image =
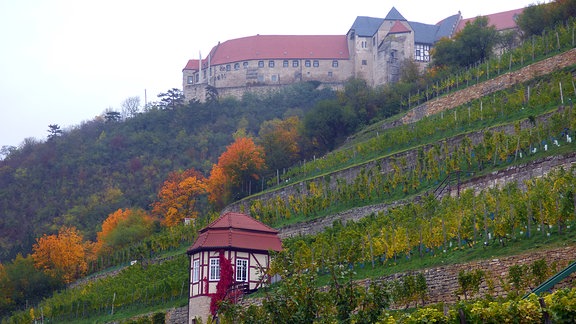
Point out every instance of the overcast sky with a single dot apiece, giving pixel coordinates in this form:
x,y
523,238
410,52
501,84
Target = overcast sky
x,y
66,61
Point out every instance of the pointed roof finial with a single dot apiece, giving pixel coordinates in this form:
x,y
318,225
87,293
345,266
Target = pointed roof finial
x,y
394,15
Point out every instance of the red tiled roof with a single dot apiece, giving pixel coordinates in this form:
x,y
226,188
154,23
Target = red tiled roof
x,y
501,20
398,28
239,231
269,47
192,65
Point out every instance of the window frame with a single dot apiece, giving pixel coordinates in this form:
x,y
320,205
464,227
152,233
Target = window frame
x,y
295,63
196,270
244,268
271,63
260,64
285,63
334,63
214,273
307,63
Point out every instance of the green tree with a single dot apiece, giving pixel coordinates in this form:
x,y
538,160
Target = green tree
x,y
472,44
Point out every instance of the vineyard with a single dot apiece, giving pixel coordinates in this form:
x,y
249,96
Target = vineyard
x,y
406,163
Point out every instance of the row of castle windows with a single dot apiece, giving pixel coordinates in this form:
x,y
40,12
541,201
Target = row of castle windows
x,y
271,63
214,271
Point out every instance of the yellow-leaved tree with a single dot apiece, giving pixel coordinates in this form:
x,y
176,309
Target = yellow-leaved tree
x,y
178,197
63,255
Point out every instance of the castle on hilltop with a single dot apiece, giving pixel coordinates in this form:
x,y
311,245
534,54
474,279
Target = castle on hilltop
x,y
373,49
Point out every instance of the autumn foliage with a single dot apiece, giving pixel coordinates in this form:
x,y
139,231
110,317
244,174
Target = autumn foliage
x,y
222,287
121,228
63,255
240,163
178,197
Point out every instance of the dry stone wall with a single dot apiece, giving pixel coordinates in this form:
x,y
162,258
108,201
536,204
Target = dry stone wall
x,y
501,82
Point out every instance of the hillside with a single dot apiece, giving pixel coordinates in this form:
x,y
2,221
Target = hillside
x,y
91,170
432,181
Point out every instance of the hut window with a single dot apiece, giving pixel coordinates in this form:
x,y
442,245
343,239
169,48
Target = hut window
x,y
214,269
241,270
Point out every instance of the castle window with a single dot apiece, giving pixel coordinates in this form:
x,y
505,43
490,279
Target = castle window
x,y
285,63
374,41
295,63
245,65
422,52
241,270
335,63
316,63
274,78
364,62
227,67
214,269
260,64
330,74
197,77
196,271
270,63
307,63
364,44
236,66
190,79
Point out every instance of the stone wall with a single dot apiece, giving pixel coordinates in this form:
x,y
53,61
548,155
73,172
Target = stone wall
x,y
442,281
501,82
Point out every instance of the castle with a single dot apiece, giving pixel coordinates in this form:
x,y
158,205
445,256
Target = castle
x,y
373,49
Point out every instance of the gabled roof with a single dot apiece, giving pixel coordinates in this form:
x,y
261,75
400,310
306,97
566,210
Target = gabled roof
x,y
278,47
393,14
398,28
366,26
237,231
430,34
501,20
192,65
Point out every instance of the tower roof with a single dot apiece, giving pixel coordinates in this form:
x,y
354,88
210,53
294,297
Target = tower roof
x,y
237,231
394,15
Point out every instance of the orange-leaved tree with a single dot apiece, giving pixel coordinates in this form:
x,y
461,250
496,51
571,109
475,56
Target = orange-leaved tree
x,y
63,255
218,187
241,163
178,197
121,228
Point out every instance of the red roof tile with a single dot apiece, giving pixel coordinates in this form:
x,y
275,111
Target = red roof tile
x,y
237,231
277,47
501,20
398,28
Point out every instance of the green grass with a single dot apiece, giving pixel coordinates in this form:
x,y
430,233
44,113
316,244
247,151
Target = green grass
x,y
126,313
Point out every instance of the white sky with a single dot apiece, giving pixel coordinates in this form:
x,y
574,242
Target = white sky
x,y
66,61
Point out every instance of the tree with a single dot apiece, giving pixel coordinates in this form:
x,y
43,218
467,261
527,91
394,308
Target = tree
x,y
121,228
171,99
242,162
280,139
54,131
218,187
472,44
130,107
328,124
469,282
112,116
178,197
63,255
21,283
